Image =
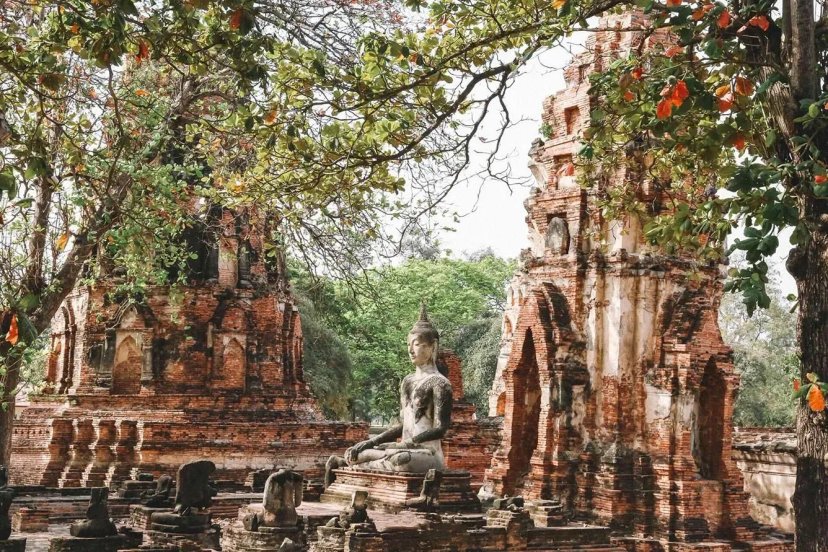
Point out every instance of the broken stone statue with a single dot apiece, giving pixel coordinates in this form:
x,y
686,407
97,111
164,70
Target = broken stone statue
x,y
97,523
193,493
160,497
282,495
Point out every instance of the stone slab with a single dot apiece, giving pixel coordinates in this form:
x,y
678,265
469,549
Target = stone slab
x,y
102,544
388,491
206,539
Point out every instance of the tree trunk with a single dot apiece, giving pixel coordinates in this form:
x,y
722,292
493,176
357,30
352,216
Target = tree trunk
x,y
9,393
810,500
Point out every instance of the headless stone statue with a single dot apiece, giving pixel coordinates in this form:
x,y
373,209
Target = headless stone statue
x,y
193,493
97,523
425,411
160,497
282,495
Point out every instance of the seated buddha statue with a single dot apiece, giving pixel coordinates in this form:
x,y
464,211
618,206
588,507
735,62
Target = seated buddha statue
x,y
425,414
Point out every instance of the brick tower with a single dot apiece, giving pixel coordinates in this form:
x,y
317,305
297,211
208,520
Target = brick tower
x,y
616,388
211,369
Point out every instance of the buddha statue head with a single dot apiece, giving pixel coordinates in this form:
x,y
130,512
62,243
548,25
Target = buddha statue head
x,y
423,340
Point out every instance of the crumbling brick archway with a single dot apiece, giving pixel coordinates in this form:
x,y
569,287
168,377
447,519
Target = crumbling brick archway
x,y
541,344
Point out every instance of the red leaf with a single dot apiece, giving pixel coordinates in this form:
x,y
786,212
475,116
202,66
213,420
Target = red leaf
x,y
820,179
816,400
629,96
13,336
724,19
664,108
759,21
726,102
680,93
673,3
743,86
739,142
143,52
637,73
797,384
236,19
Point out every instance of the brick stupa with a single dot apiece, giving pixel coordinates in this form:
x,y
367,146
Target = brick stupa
x,y
615,386
211,369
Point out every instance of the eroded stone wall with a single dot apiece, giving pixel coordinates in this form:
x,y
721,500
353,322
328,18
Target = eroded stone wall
x,y
767,458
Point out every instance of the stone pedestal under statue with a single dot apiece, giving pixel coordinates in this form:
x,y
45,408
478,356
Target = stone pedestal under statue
x,y
112,543
396,491
273,524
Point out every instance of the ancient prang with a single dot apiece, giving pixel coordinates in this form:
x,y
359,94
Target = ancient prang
x,y
211,368
614,384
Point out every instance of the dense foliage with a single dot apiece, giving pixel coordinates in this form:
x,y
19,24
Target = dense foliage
x,y
464,299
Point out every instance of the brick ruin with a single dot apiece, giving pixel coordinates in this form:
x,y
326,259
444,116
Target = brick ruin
x,y
615,386
210,369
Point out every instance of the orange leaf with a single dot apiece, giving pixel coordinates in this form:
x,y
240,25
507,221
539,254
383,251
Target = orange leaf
x,y
629,96
743,86
680,93
270,117
722,90
143,52
60,243
637,73
759,21
673,51
558,4
664,108
816,400
236,19
673,3
820,179
724,19
141,92
703,239
726,102
13,336
739,142
75,28
797,384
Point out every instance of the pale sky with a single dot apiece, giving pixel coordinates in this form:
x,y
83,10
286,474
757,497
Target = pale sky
x,y
492,214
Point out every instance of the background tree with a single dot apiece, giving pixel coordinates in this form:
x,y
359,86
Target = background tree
x,y
764,352
464,298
